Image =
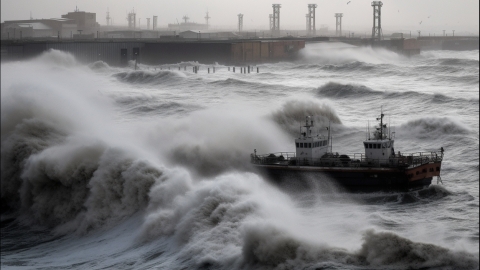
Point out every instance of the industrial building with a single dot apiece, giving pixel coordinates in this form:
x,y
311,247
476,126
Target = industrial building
x,y
77,23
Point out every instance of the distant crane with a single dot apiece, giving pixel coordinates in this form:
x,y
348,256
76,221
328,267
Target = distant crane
x,y
185,18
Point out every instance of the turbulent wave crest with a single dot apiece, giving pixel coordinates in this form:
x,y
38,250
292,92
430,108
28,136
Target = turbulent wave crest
x,y
293,112
338,90
433,127
61,167
59,180
458,62
213,142
57,58
149,77
389,249
146,104
266,246
99,66
345,53
26,139
358,91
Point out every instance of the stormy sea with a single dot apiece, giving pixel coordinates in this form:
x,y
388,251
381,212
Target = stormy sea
x,y
106,167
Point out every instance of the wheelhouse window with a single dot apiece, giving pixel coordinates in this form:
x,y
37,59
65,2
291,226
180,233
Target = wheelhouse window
x,y
309,145
301,145
297,144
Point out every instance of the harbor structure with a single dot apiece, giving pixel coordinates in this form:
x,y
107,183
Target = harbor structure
x,y
311,31
338,24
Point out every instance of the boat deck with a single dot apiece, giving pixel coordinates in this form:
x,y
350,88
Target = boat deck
x,y
403,161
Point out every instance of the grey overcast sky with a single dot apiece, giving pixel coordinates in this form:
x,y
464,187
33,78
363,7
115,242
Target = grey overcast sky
x,y
428,16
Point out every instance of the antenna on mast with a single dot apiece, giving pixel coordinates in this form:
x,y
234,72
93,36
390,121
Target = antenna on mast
x,y
207,18
108,17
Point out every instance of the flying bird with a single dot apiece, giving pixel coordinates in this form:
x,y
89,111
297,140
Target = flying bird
x,y
420,22
348,2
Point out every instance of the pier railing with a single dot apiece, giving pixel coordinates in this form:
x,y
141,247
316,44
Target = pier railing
x,y
404,160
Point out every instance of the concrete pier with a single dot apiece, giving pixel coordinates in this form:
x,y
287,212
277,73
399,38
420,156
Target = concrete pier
x,y
119,52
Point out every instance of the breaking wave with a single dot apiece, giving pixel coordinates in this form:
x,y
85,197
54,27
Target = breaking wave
x,y
292,115
347,91
458,62
56,58
273,249
333,54
236,82
433,127
99,66
337,90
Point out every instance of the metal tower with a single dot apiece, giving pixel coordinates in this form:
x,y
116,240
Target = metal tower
x,y
132,19
276,19
377,20
240,22
154,24
148,23
185,18
338,25
311,20
206,19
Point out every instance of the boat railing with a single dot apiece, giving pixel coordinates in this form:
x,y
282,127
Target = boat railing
x,y
273,158
353,160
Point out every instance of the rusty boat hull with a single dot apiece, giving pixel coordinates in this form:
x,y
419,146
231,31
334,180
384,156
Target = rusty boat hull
x,y
354,177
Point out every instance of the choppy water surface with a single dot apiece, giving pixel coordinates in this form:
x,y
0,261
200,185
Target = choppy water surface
x,y
106,167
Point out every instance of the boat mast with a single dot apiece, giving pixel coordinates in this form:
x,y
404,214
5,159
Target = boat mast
x,y
329,137
368,129
381,123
